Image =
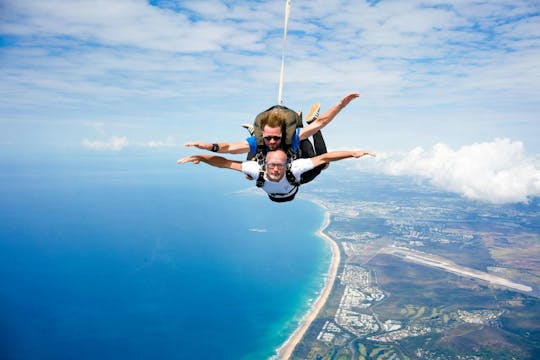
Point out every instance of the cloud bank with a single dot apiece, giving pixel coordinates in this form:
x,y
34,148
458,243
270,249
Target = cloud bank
x,y
117,143
496,172
128,47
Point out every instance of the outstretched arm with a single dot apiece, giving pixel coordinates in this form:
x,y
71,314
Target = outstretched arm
x,y
328,116
213,160
338,155
229,148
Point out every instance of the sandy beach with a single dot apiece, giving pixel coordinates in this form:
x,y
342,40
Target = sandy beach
x,y
286,350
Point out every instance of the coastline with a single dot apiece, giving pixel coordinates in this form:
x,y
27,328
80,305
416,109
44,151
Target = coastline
x,y
286,350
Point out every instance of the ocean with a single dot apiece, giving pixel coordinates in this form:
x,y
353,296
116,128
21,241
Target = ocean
x,y
128,255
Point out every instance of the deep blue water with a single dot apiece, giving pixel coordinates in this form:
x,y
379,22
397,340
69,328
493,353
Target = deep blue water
x,y
129,256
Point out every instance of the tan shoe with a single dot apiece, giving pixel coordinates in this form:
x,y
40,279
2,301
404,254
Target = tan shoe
x,y
313,113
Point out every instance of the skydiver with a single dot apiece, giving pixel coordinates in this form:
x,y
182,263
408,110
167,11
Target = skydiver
x,y
278,188
273,134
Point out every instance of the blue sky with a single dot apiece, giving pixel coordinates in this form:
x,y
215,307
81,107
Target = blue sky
x,y
129,74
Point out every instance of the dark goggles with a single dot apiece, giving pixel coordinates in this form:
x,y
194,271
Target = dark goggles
x,y
272,137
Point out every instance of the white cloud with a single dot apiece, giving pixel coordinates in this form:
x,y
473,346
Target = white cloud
x,y
129,47
115,143
497,172
169,142
115,23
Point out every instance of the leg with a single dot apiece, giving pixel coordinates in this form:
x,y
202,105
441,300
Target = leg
x,y
320,148
320,145
306,149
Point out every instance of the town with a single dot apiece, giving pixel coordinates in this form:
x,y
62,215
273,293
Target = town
x,y
356,321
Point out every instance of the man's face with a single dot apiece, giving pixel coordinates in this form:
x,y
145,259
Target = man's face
x,y
276,163
272,137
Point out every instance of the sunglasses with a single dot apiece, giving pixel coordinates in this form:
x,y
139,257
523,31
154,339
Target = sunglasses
x,y
276,165
272,137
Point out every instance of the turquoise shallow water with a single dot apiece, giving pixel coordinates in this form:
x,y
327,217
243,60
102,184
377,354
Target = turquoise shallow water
x,y
104,256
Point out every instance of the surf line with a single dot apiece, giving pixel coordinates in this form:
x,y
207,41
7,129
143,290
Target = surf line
x,y
286,350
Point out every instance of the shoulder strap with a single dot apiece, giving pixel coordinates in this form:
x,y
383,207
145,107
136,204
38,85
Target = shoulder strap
x,y
261,160
289,175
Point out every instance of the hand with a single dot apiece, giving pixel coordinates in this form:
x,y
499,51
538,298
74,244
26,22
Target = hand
x,y
347,99
199,145
194,159
361,153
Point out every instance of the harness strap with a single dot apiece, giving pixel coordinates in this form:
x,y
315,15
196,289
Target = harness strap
x,y
290,178
284,197
261,160
291,156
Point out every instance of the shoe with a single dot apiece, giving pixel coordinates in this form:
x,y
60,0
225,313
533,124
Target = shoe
x,y
249,128
313,113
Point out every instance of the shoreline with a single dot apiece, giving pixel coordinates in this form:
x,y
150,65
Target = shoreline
x,y
286,350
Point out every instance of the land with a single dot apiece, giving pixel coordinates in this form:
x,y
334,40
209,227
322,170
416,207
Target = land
x,y
447,265
429,276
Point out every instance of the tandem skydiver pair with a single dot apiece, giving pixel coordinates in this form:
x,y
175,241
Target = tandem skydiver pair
x,y
280,155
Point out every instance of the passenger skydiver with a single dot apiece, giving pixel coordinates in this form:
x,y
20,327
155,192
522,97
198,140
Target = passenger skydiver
x,y
278,188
